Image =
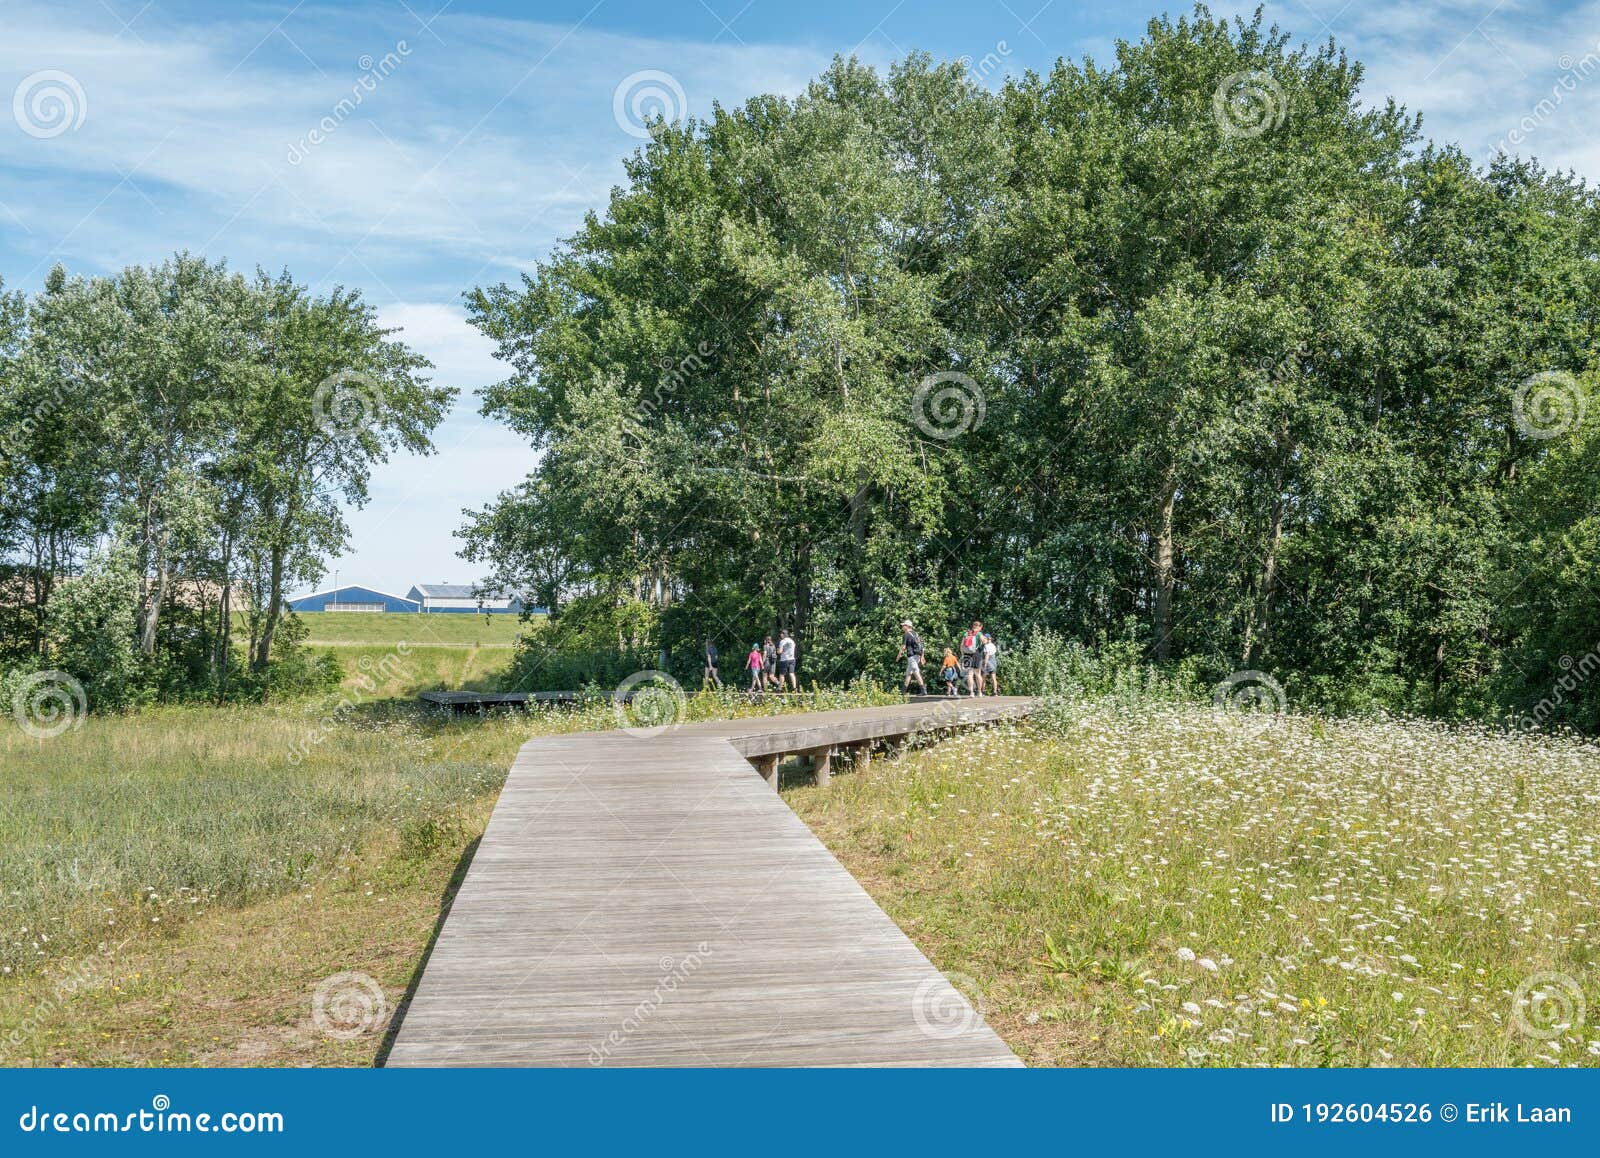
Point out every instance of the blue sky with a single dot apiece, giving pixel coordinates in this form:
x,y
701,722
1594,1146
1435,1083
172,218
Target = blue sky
x,y
484,131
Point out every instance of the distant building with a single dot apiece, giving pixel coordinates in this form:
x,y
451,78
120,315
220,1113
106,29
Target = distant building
x,y
353,599
463,597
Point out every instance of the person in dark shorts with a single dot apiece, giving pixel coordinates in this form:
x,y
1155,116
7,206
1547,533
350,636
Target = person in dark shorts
x,y
769,662
709,677
911,652
988,669
786,662
971,656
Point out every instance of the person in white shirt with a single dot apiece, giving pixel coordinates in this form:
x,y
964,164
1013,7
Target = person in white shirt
x,y
991,661
786,662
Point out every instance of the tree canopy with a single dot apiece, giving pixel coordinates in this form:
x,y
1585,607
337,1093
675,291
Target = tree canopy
x,y
1194,348
175,436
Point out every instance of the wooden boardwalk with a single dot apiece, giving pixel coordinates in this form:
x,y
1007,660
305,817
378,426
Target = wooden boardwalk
x,y
650,901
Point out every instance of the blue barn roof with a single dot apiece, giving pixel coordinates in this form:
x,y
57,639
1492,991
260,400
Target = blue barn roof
x,y
365,597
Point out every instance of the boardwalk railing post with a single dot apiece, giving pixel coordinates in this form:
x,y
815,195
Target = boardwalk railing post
x,y
822,765
768,767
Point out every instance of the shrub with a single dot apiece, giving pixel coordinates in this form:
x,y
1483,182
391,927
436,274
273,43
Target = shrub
x,y
1048,664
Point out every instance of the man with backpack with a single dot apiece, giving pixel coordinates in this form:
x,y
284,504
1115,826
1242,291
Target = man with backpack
x,y
972,657
911,652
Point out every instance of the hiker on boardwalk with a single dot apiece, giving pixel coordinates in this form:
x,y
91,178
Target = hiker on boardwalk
x,y
988,670
950,672
972,657
911,652
752,664
786,662
709,677
769,662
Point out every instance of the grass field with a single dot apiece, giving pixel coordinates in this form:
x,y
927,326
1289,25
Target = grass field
x,y
178,883
438,630
1159,885
1162,886
395,655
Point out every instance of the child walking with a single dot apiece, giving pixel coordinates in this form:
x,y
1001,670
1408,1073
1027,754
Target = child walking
x,y
950,672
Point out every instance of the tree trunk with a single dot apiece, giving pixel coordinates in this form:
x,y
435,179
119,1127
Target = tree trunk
x,y
269,622
158,595
866,590
802,590
1266,586
149,597
224,646
1164,567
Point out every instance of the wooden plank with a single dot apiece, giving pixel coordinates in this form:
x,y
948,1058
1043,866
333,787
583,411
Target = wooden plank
x,y
653,902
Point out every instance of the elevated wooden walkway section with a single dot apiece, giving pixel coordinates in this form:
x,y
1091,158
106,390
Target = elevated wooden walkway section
x,y
651,901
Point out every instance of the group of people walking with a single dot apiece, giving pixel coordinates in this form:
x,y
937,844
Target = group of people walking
x,y
770,665
977,664
974,663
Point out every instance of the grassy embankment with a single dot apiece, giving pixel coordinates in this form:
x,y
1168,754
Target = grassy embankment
x,y
398,654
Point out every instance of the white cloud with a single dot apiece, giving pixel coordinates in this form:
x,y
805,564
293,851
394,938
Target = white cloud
x,y
461,356
1475,70
479,150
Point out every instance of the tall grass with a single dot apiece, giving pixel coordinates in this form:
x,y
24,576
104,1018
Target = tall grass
x,y
134,822
1168,884
131,822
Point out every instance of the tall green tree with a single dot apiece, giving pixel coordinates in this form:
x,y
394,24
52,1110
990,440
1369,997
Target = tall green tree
x,y
1196,346
213,428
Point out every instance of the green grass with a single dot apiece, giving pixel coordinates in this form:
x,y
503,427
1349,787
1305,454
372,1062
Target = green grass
x,y
436,630
376,671
1164,886
395,655
132,822
1117,885
177,881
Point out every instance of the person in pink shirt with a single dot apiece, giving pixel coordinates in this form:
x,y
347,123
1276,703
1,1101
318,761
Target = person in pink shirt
x,y
754,663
